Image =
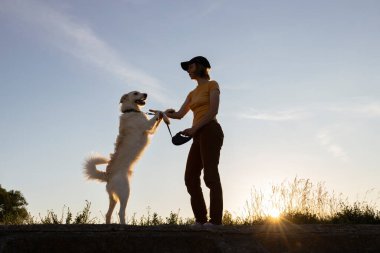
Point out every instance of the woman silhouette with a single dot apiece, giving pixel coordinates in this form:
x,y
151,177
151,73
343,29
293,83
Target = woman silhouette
x,y
207,142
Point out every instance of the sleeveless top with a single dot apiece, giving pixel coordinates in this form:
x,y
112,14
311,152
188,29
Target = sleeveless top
x,y
200,100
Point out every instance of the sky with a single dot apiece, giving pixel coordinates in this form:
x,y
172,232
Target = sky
x,y
300,95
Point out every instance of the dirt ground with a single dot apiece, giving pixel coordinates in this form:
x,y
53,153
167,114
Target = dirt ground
x,y
258,238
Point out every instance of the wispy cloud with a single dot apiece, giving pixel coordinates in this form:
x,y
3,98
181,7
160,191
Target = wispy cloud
x,y
366,109
285,115
355,107
326,140
80,41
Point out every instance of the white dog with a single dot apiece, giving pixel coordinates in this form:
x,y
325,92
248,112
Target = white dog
x,y
134,131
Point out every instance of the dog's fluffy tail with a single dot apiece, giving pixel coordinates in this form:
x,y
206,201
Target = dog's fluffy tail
x,y
90,170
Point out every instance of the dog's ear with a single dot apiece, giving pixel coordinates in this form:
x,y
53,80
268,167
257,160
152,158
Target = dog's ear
x,y
124,97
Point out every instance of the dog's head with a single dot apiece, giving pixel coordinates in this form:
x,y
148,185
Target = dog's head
x,y
133,100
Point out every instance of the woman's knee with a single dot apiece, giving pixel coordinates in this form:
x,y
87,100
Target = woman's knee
x,y
211,176
213,183
194,190
191,181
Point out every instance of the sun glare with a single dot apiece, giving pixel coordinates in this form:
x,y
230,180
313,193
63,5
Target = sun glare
x,y
274,213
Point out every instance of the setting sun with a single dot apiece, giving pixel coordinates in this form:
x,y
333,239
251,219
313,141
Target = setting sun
x,y
274,213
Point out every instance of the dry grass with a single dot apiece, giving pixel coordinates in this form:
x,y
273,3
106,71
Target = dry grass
x,y
298,201
302,201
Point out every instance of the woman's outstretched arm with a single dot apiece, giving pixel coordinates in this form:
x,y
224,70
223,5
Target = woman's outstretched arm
x,y
171,113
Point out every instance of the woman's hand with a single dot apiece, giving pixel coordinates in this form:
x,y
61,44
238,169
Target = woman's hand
x,y
189,132
170,112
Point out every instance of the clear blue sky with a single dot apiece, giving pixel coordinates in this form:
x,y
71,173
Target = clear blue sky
x,y
300,94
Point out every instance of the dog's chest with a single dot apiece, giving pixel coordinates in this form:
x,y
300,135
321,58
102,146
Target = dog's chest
x,y
133,124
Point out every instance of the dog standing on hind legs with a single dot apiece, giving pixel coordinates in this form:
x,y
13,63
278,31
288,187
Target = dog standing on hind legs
x,y
133,138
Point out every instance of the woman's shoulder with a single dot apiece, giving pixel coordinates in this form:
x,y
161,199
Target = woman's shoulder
x,y
212,84
190,94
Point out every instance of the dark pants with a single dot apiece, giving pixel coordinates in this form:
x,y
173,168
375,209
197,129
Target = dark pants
x,y
204,154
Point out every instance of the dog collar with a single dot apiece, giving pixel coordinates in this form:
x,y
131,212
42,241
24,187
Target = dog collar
x,y
130,110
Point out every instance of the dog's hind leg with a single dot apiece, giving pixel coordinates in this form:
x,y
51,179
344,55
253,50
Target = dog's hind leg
x,y
123,197
123,206
110,209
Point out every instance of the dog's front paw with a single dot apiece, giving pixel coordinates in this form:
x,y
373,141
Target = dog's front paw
x,y
157,114
160,115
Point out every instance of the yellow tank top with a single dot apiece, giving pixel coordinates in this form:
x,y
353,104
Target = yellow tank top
x,y
200,100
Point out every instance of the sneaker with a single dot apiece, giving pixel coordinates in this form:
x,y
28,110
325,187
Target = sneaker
x,y
196,225
212,225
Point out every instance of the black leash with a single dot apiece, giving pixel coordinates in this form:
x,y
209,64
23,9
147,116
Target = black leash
x,y
148,113
170,132
179,138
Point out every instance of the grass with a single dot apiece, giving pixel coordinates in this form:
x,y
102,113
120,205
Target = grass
x,y
302,202
298,201
155,220
82,217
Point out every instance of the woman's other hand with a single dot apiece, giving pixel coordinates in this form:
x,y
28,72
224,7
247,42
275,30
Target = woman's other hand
x,y
189,132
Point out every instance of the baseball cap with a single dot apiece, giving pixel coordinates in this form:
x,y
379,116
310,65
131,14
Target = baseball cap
x,y
198,59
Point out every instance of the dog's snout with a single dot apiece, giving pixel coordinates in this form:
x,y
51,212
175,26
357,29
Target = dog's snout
x,y
145,95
